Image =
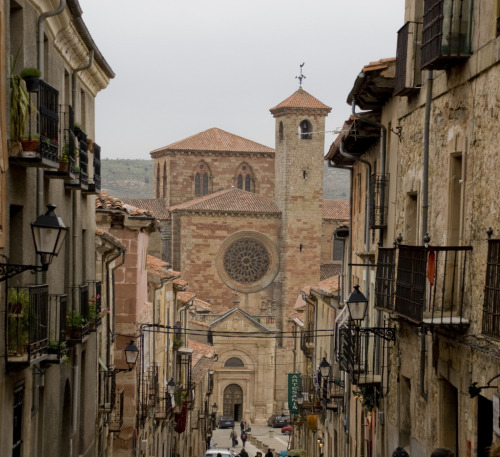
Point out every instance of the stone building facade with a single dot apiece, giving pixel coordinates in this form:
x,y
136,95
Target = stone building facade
x,y
423,162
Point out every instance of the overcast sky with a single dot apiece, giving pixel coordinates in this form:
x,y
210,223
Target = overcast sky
x,y
189,65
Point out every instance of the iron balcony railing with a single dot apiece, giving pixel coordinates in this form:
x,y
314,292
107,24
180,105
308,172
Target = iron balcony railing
x,y
307,342
95,185
58,305
430,284
116,420
27,323
48,106
491,306
446,34
408,74
378,200
384,279
148,390
163,408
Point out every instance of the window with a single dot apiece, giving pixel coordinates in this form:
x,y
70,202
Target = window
x,y
305,130
234,362
202,180
338,249
280,134
158,181
164,180
244,178
17,425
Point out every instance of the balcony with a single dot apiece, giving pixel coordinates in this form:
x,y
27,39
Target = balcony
x,y
94,185
384,279
408,73
81,178
378,200
77,321
116,420
307,342
149,390
40,143
27,329
57,346
430,285
163,410
446,34
95,310
491,306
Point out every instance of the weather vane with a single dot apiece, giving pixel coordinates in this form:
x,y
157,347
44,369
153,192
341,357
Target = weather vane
x,y
301,77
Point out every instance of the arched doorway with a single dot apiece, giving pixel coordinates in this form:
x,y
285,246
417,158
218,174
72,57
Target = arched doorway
x,y
233,401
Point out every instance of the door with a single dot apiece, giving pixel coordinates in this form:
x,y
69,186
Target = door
x,y
233,401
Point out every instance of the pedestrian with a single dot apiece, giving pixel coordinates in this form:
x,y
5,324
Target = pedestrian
x,y
442,452
243,437
243,453
259,454
269,453
400,452
234,437
242,425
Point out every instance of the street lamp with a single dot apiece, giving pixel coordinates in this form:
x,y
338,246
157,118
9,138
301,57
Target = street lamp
x,y
324,368
48,232
131,354
357,304
171,386
300,398
214,408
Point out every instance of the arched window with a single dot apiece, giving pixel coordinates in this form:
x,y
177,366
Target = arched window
x,y
158,181
197,184
164,180
280,134
234,362
305,130
205,184
244,178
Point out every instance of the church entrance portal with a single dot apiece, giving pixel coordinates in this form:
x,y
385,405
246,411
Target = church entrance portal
x,y
233,401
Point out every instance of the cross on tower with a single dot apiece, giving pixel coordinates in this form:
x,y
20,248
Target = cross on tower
x,y
301,77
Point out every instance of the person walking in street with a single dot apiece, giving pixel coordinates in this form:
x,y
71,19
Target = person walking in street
x,y
259,454
243,437
243,453
242,425
269,453
234,437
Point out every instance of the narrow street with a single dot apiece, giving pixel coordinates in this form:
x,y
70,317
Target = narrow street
x,y
268,436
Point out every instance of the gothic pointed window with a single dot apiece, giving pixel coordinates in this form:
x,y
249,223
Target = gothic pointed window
x,y
158,181
244,178
247,183
205,184
164,180
197,185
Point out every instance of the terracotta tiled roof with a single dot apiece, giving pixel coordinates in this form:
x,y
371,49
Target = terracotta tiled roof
x,y
232,200
200,365
100,232
106,202
205,349
300,100
161,268
202,305
330,269
328,286
156,206
382,64
185,297
180,284
336,209
215,139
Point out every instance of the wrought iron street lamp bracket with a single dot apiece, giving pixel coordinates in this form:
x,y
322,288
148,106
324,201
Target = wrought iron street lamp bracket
x,y
8,270
387,333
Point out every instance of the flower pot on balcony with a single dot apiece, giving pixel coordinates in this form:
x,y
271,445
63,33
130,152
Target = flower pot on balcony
x,y
32,83
30,145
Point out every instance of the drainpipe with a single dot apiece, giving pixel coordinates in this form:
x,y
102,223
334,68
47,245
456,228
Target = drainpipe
x,y
73,77
41,29
425,210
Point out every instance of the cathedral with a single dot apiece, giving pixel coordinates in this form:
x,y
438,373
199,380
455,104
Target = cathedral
x,y
248,228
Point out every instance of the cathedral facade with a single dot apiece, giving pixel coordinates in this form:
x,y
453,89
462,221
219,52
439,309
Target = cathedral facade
x,y
246,229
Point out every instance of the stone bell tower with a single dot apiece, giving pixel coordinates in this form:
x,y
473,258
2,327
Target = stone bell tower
x,y
300,126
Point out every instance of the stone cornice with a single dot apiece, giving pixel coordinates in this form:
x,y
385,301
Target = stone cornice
x,y
255,214
173,152
279,112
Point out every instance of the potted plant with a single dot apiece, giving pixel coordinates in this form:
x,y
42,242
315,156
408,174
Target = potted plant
x,y
79,133
18,320
74,324
31,77
20,107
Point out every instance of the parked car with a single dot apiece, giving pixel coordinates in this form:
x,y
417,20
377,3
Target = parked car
x,y
214,452
226,422
287,429
277,420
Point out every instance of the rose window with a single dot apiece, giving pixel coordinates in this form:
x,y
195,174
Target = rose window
x,y
246,260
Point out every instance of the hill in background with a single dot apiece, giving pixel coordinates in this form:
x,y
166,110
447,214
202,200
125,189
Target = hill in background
x,y
135,179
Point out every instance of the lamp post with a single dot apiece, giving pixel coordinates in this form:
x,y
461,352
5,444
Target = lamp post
x,y
324,369
48,233
131,354
357,304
